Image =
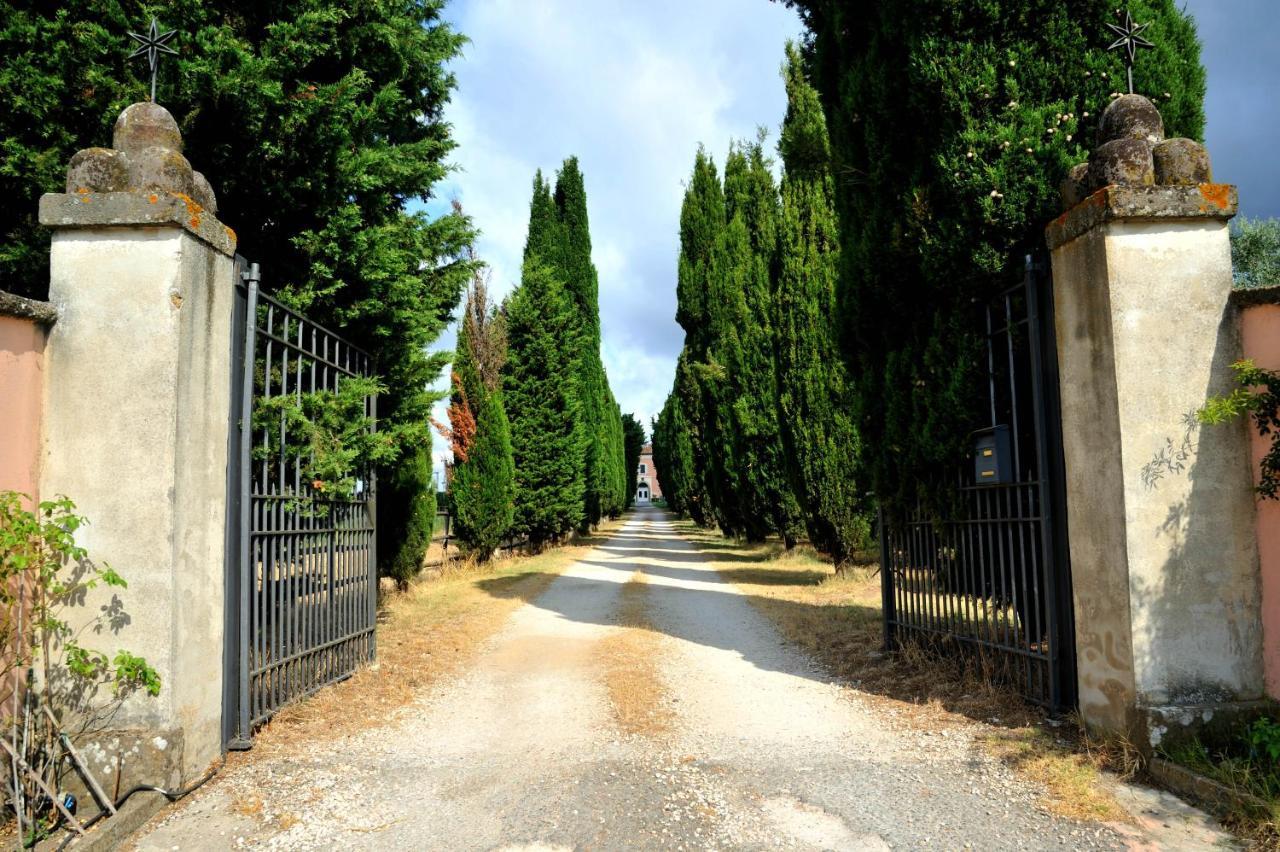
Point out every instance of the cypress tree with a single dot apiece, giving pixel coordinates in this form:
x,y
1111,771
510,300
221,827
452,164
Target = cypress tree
x,y
633,437
701,377
365,85
483,486
414,477
820,439
955,125
765,496
601,441
541,399
673,456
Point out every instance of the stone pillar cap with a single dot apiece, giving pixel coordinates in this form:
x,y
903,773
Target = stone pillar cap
x,y
1143,203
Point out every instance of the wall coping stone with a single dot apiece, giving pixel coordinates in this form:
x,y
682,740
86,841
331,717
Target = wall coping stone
x,y
1248,297
13,305
132,209
1143,203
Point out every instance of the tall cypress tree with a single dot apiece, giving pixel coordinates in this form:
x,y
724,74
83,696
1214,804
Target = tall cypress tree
x,y
602,446
483,483
701,377
330,221
765,496
954,125
820,439
541,398
633,437
673,456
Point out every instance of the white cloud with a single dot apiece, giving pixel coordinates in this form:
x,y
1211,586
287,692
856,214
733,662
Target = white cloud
x,y
632,89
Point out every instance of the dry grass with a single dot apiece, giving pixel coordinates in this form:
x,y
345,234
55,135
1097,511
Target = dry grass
x,y
838,619
424,634
637,692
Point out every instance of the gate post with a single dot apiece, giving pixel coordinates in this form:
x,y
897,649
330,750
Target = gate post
x,y
1160,511
138,399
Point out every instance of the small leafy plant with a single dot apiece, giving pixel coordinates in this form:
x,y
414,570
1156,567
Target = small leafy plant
x,y
48,678
330,433
1258,398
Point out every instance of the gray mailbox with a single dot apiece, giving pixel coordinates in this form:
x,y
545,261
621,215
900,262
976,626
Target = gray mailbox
x,y
992,459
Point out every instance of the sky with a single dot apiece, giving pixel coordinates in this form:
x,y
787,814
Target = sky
x,y
632,88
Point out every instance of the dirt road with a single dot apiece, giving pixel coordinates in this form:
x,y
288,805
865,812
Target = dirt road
x,y
744,744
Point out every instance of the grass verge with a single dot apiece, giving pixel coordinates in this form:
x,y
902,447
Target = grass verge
x,y
424,634
637,692
1247,763
837,618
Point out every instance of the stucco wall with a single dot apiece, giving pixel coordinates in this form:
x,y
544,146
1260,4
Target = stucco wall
x,y
136,434
22,344
1260,327
1161,517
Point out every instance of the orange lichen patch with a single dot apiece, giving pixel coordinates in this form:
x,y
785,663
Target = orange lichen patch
x,y
231,235
84,190
153,198
1216,195
193,208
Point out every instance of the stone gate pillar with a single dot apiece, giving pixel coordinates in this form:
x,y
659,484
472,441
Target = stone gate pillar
x,y
138,377
1160,510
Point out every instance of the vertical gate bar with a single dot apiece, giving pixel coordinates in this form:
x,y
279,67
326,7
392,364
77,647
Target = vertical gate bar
x,y
1016,433
1056,577
246,567
887,602
371,514
1027,616
296,542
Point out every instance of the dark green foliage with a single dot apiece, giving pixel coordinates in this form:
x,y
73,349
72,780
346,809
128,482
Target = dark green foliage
x,y
675,454
951,129
316,122
540,392
722,419
483,485
746,313
633,443
560,237
673,458
700,380
819,436
416,515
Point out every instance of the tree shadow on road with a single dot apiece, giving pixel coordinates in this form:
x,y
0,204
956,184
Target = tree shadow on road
x,y
810,615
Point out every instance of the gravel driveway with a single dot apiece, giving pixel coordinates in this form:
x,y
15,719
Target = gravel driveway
x,y
521,751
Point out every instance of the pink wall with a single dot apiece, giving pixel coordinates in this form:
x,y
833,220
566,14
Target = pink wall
x,y
21,398
1260,325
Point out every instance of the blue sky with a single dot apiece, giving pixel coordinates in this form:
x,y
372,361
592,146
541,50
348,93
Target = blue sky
x,y
632,88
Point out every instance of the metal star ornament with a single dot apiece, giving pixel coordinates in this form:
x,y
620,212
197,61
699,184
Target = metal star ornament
x,y
153,44
1130,41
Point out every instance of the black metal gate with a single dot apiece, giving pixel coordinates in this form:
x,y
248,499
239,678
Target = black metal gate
x,y
301,573
991,577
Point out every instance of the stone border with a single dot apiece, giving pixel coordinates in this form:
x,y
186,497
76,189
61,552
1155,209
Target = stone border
x,y
1151,203
12,305
130,209
1248,297
1213,796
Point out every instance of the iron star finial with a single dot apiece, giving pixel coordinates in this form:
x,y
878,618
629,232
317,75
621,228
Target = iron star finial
x,y
1130,41
153,44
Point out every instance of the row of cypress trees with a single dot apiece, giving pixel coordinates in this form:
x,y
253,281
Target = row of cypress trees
x,y
538,438
950,130
755,436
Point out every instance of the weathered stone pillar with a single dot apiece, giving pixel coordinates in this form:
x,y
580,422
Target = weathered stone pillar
x,y
139,381
1160,511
